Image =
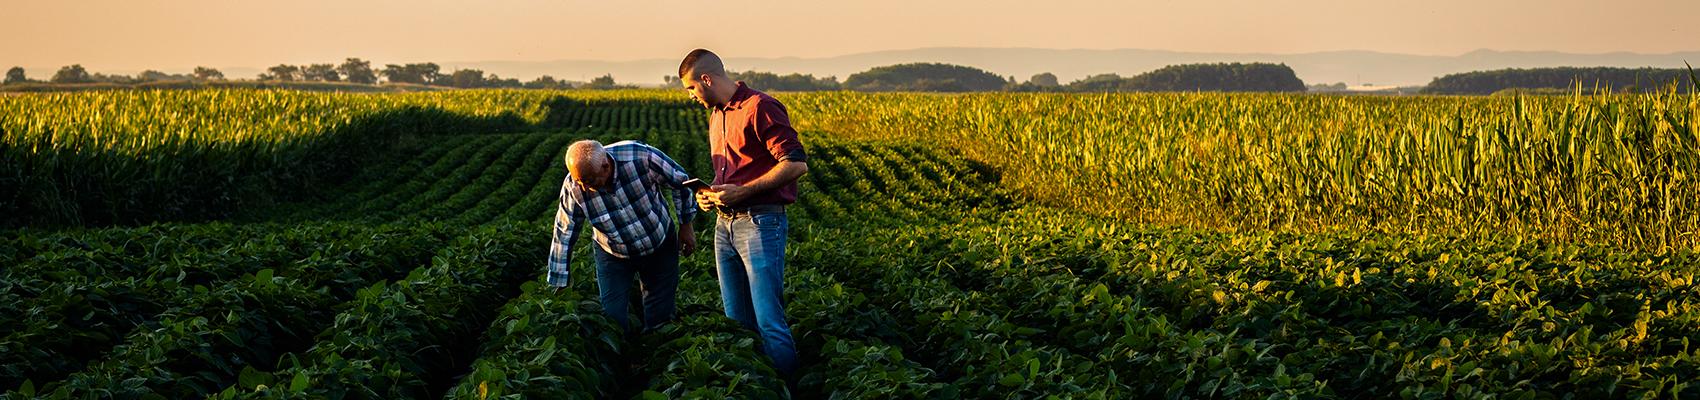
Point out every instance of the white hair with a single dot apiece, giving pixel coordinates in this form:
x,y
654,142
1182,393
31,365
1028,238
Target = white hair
x,y
585,150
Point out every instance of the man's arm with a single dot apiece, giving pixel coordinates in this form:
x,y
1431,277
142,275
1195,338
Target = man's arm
x,y
663,170
666,171
568,216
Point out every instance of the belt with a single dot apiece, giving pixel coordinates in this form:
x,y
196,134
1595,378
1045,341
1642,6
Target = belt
x,y
733,212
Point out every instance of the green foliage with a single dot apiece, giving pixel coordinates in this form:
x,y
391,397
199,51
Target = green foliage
x,y
1235,77
943,247
924,77
1614,169
546,345
1219,77
710,356
72,74
160,155
768,81
1607,79
16,75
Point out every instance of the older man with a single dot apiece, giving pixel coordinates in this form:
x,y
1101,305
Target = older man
x,y
757,160
618,189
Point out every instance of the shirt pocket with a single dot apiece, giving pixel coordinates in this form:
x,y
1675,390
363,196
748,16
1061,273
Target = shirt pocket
x,y
604,223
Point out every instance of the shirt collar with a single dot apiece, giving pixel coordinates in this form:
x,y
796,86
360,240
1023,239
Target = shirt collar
x,y
738,97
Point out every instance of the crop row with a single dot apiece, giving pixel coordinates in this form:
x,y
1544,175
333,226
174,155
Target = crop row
x,y
161,319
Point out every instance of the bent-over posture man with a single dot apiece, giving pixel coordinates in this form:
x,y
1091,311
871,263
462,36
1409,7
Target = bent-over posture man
x,y
618,189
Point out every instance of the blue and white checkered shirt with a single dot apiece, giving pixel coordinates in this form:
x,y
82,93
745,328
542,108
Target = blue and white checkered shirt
x,y
630,216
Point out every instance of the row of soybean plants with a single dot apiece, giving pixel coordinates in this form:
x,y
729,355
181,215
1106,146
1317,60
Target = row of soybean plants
x,y
1394,315
634,117
880,333
926,337
1422,316
1609,168
867,182
976,335
557,343
411,337
470,179
186,304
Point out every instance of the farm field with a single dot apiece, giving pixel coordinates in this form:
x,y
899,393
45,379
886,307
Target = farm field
x,y
276,244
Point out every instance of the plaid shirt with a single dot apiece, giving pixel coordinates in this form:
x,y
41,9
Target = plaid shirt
x,y
630,217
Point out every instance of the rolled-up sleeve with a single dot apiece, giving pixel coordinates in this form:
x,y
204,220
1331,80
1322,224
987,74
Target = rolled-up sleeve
x,y
773,125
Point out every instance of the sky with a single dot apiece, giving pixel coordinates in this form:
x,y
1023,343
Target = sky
x,y
175,35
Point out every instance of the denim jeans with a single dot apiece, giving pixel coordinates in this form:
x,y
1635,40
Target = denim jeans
x,y
658,273
749,253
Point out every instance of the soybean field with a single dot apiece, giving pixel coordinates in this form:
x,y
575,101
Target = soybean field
x,y
277,244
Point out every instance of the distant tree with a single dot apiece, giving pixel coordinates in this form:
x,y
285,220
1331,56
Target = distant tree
x,y
791,82
925,77
16,75
1328,87
466,78
320,73
103,78
495,81
1235,77
602,82
357,71
208,74
1044,79
282,72
73,73
155,76
1097,83
671,81
546,82
1220,77
421,73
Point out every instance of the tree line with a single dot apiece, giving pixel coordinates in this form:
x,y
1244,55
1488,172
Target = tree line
x,y
75,73
936,77
1563,78
913,77
352,70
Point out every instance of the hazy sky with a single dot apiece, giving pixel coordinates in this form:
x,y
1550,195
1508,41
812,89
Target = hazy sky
x,y
119,35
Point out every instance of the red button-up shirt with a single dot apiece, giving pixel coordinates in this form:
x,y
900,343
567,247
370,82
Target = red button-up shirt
x,y
750,135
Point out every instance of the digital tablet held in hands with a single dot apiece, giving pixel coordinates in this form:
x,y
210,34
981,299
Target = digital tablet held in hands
x,y
696,185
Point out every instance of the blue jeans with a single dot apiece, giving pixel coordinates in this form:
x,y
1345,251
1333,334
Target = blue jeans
x,y
658,273
749,253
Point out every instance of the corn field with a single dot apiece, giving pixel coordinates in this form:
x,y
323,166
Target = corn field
x,y
1617,169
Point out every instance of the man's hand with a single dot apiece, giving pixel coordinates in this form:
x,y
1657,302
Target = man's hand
x,y
729,193
706,201
687,239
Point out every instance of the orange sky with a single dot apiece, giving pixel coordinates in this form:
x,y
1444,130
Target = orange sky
x,y
127,35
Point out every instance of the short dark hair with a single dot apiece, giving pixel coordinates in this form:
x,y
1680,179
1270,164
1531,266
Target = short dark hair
x,y
702,61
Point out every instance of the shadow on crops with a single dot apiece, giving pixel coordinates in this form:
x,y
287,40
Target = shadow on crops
x,y
53,189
